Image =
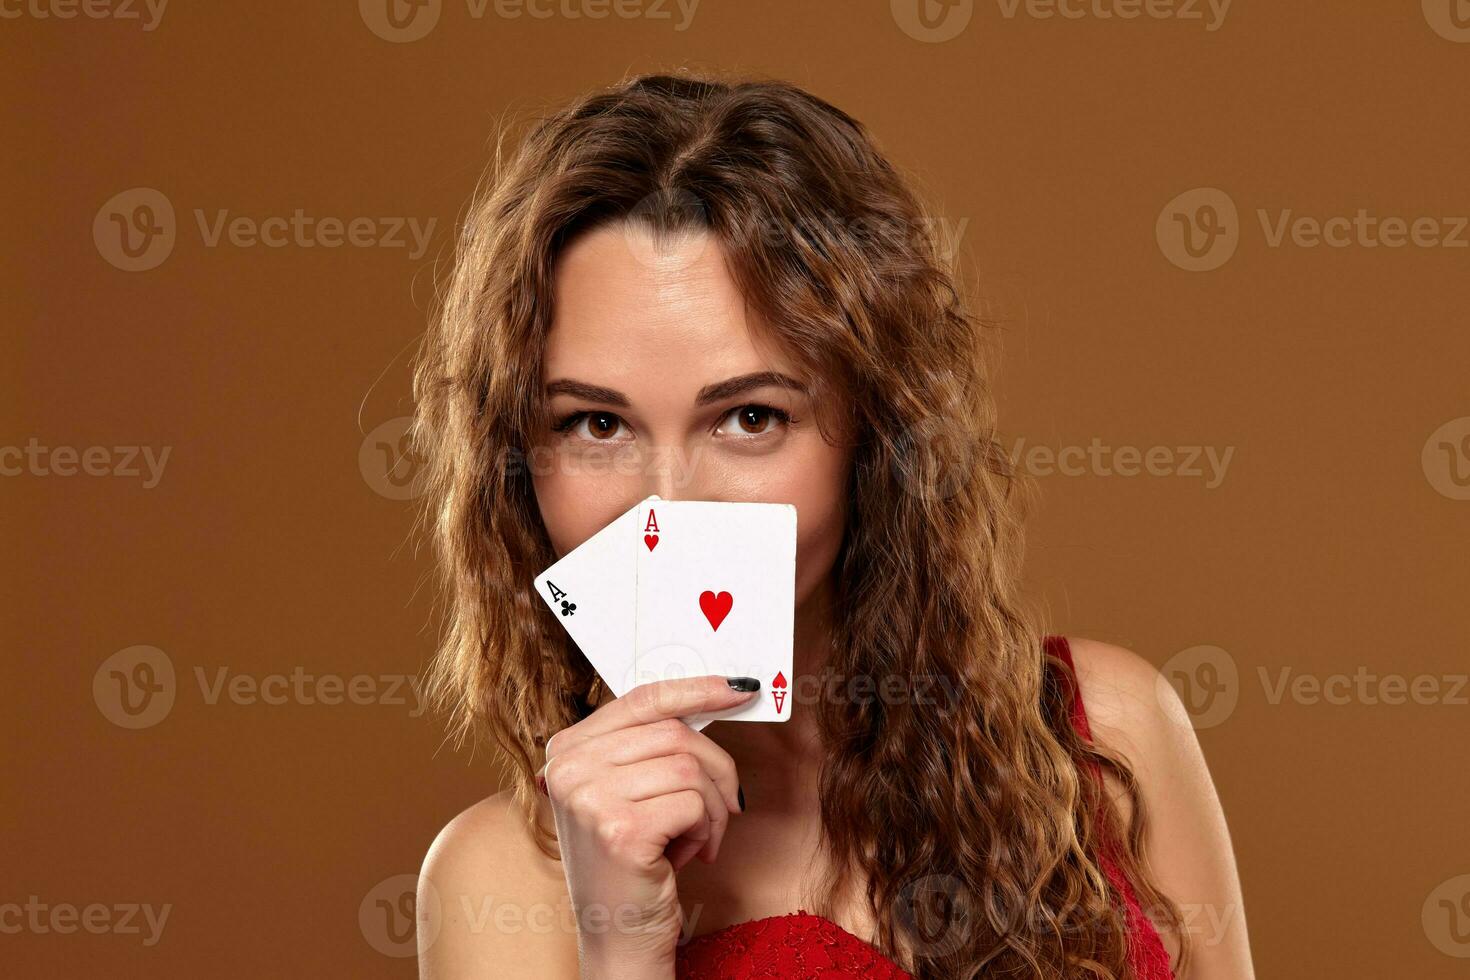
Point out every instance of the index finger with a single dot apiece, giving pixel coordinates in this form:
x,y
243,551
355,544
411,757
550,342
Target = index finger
x,y
678,698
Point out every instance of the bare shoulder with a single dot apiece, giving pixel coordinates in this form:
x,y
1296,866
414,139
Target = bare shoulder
x,y
1133,711
1130,707
490,902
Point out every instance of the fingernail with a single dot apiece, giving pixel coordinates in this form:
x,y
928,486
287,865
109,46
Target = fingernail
x,y
740,797
744,684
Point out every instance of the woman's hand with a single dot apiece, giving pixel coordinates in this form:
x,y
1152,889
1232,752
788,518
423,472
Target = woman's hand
x,y
636,795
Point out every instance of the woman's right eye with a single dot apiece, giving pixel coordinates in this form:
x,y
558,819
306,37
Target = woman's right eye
x,y
592,426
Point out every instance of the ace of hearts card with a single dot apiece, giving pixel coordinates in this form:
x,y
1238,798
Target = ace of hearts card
x,y
715,586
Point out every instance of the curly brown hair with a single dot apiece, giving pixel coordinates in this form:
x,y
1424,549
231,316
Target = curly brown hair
x,y
985,802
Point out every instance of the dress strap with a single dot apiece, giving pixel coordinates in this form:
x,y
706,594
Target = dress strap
x,y
1146,952
1058,647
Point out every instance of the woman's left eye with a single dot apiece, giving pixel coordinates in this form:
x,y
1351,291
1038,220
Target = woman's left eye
x,y
754,420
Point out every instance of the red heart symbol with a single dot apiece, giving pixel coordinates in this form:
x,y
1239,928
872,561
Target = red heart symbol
x,y
650,540
715,607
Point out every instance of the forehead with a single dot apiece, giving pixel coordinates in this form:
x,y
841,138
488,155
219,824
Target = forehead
x,y
628,309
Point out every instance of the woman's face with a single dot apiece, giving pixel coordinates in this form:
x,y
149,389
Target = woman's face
x,y
658,382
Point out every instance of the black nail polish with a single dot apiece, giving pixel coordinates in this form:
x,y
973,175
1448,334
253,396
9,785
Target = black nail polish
x,y
740,797
744,684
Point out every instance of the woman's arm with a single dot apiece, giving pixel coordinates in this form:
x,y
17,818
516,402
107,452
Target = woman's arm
x,y
1132,711
490,904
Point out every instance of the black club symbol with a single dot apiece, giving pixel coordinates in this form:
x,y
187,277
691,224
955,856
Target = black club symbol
x,y
568,608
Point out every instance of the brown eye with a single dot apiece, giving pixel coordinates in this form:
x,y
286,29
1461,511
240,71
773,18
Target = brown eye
x,y
590,426
753,418
602,425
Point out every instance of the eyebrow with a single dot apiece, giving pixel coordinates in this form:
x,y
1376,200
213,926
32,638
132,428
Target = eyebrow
x,y
718,391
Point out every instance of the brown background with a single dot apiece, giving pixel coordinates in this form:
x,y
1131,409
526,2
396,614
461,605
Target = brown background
x,y
1328,548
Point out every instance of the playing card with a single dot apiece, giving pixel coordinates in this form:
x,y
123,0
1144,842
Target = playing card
x,y
591,590
715,588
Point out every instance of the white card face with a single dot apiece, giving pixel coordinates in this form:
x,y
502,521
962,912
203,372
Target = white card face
x,y
716,594
591,591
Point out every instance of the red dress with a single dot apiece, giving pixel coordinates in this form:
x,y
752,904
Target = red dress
x,y
802,946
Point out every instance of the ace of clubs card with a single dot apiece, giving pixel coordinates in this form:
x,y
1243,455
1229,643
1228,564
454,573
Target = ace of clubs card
x,y
590,589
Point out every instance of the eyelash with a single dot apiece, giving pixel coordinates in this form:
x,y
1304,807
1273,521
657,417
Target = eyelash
x,y
566,422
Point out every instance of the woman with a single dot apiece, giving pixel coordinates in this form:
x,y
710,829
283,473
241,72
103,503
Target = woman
x,y
724,291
